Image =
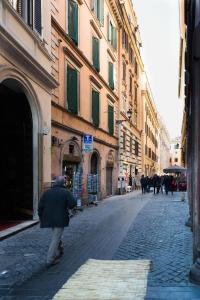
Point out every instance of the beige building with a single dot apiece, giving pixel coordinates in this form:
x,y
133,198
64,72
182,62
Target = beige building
x,y
85,47
25,92
150,130
163,147
130,69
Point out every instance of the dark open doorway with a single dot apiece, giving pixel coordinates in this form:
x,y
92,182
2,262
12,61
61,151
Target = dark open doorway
x,y
16,154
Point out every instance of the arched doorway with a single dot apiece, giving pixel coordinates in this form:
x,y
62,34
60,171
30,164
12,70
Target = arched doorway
x,y
94,163
93,180
109,173
16,153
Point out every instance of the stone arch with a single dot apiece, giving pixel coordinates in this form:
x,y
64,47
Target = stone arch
x,y
11,75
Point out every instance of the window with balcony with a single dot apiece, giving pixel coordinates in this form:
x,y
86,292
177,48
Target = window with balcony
x,y
30,11
73,20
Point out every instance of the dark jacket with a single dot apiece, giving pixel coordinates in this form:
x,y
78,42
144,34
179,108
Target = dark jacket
x,y
53,207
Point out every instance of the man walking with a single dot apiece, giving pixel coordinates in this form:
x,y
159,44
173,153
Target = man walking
x,y
53,212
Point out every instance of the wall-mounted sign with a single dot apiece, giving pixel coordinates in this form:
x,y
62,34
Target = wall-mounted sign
x,y
87,143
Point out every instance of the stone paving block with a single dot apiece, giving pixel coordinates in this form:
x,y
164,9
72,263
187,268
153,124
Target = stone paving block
x,y
164,239
107,280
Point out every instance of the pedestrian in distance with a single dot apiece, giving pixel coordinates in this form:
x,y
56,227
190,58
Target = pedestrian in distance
x,y
143,182
166,183
173,184
53,212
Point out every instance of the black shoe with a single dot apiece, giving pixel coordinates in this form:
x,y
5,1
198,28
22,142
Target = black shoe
x,y
53,263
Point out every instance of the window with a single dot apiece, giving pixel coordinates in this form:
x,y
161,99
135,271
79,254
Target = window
x,y
111,75
137,148
176,159
124,71
136,68
124,103
95,108
72,89
73,20
112,34
30,11
98,8
135,99
95,53
176,146
110,119
149,152
131,85
131,144
71,149
124,140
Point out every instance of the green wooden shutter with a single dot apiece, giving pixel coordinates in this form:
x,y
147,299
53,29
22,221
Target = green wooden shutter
x,y
111,75
38,16
95,108
109,29
114,37
102,11
72,90
96,7
110,119
73,20
95,53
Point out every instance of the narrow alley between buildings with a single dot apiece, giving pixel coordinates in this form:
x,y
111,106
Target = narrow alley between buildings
x,y
130,227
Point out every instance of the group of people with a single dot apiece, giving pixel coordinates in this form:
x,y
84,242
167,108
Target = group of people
x,y
159,183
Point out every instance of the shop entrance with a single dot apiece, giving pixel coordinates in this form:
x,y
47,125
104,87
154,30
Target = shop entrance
x,y
16,155
69,170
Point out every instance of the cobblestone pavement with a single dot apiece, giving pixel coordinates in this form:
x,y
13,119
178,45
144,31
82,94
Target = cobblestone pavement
x,y
127,227
158,233
94,233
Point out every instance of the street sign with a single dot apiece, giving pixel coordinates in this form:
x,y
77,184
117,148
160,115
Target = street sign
x,y
87,143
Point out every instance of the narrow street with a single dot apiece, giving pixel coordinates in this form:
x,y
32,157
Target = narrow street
x,y
129,227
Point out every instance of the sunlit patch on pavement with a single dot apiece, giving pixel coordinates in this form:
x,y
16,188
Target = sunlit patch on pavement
x,y
107,280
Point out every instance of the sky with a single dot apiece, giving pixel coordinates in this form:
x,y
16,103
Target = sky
x,y
158,22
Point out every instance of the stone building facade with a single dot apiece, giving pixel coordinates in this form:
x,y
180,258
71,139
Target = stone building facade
x,y
130,108
163,147
85,50
150,130
25,91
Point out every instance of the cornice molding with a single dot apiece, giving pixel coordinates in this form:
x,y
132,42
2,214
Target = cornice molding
x,y
93,80
96,29
63,109
70,54
9,47
81,133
